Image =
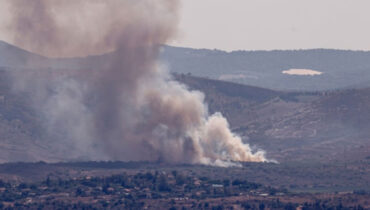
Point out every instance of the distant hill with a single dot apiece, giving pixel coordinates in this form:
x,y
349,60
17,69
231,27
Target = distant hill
x,y
12,56
340,69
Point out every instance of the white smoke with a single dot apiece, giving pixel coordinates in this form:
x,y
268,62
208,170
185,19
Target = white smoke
x,y
128,108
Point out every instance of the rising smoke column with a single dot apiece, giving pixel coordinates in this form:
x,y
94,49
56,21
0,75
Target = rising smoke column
x,y
127,108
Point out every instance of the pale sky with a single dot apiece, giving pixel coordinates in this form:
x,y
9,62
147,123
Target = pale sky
x,y
270,24
275,24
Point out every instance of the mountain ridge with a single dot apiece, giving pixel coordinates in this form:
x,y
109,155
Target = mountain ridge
x,y
341,68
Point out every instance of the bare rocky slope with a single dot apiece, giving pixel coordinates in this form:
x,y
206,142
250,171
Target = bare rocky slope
x,y
328,125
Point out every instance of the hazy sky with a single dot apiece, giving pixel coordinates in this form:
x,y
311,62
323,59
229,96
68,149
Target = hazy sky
x,y
270,24
275,24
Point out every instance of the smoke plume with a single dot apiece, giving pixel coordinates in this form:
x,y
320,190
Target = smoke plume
x,y
129,107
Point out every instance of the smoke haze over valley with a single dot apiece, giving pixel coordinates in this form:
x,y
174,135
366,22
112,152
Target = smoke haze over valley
x,y
269,119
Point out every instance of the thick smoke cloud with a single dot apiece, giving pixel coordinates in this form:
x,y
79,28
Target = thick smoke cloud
x,y
127,108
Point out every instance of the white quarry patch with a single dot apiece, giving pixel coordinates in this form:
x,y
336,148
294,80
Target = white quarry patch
x,y
302,72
